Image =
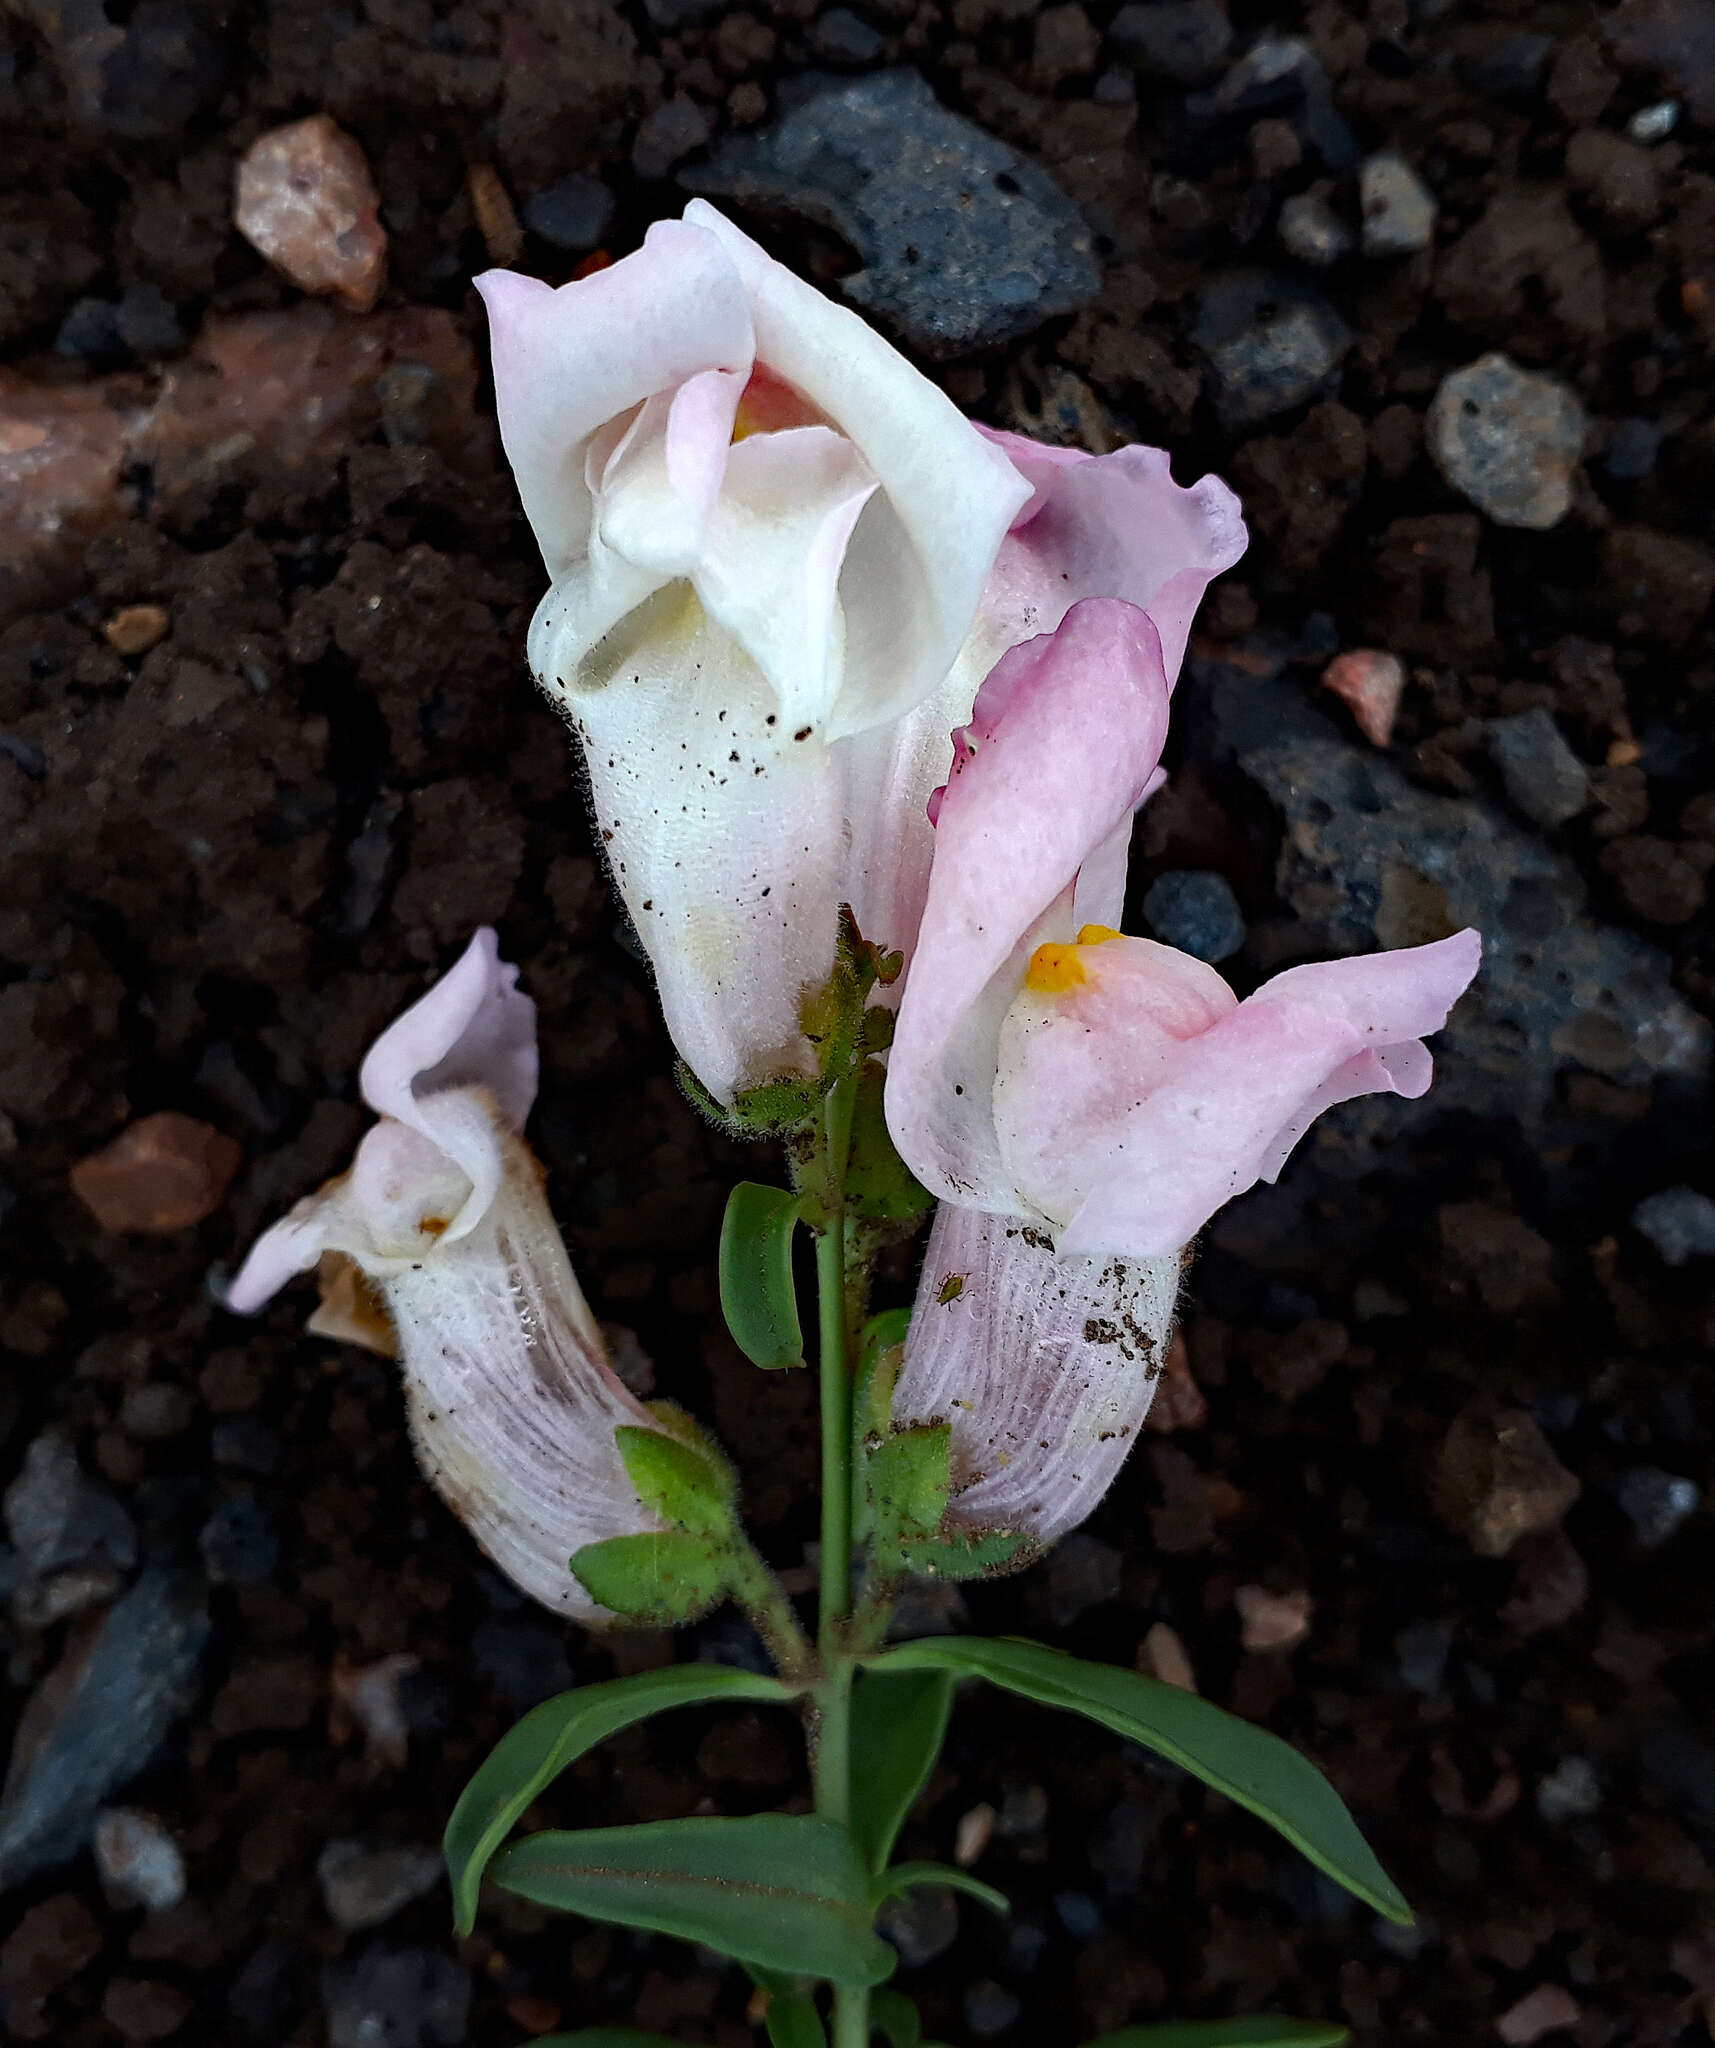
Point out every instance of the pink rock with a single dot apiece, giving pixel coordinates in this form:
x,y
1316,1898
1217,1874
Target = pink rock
x,y
1272,1621
306,201
1371,683
1547,2010
162,1174
61,452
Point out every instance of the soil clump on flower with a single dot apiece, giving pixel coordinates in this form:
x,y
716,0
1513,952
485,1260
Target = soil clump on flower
x,y
1431,1495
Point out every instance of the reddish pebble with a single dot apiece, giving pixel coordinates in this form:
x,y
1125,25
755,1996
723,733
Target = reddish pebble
x,y
162,1174
1371,683
1162,1655
1272,1621
306,201
61,453
1546,2010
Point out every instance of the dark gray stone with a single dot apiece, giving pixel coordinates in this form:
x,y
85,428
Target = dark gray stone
x,y
1079,1914
573,213
1312,231
238,1542
74,1541
1278,76
1195,910
676,129
363,1886
964,243
922,1924
1422,1650
97,1718
990,2009
1182,41
1272,342
1632,447
396,1998
148,322
90,333
1679,1222
1512,71
842,37
1571,1791
1544,778
1656,1503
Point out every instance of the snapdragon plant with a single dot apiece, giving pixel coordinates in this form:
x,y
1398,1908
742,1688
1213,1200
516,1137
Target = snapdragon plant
x,y
868,697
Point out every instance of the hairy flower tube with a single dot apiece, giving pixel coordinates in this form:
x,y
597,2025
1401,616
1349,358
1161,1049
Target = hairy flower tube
x,y
767,536
1092,1098
512,1402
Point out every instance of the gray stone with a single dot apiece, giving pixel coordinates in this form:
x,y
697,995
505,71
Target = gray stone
x,y
1632,447
1312,231
1079,1914
922,1924
573,213
1398,207
1679,1222
964,243
138,1861
238,1542
1279,76
1422,1650
842,37
1182,41
1195,910
1272,342
1544,778
156,1410
1508,440
1654,123
1571,1791
1656,1503
97,1718
74,1540
676,129
396,1998
990,2008
363,1886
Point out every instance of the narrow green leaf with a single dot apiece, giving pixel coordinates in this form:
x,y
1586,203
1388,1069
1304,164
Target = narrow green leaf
x,y
1252,1767
904,1876
757,1296
529,1757
910,1476
795,2023
783,1890
659,1579
1262,2030
678,1483
893,2014
898,1722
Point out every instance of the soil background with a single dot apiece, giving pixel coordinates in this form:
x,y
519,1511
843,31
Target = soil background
x,y
234,853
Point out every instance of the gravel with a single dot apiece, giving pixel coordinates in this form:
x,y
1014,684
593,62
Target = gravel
x,y
1509,440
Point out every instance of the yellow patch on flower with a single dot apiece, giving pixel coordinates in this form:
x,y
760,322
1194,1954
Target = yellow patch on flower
x,y
1055,969
1098,934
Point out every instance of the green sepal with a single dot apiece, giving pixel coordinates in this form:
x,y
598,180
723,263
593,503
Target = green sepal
x,y
904,1877
777,1109
758,1298
894,2015
683,1485
909,1476
880,1188
992,1554
659,1580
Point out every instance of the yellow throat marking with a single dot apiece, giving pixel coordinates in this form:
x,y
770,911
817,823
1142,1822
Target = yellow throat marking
x,y
1053,970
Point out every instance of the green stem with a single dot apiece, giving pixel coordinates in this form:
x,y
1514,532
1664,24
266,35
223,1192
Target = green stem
x,y
836,1433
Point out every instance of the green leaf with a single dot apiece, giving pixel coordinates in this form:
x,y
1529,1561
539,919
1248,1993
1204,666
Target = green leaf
x,y
893,2014
783,1890
757,1295
1262,2030
658,1579
985,1556
898,1722
795,2023
528,1758
1252,1767
910,1475
879,1186
680,1484
904,1877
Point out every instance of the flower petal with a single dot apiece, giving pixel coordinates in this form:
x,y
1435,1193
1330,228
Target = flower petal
x,y
1385,997
1044,1367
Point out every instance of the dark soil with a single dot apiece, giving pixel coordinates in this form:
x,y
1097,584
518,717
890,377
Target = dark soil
x,y
236,855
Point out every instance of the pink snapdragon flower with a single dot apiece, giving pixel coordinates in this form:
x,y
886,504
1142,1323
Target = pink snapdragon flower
x,y
511,1399
1083,1102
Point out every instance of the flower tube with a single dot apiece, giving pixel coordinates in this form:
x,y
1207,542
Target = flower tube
x,y
511,1400
1100,1095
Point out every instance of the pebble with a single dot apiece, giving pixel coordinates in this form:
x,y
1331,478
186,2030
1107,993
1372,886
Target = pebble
x,y
1080,1573
1272,1621
1370,682
1179,1402
1544,778
1508,440
144,2008
96,1719
164,1173
1184,42
362,1887
1195,910
238,1542
137,1859
1311,230
1513,70
1271,341
1398,207
496,217
1549,2009
675,130
307,203
1656,1503
396,1998
990,2008
574,213
135,628
73,1538
1422,1651
842,37
1497,1479
1631,448
156,1410
61,454
1162,1655
1024,1811
371,1696
973,1834
1571,1791
1280,76
1079,1914
963,242
1654,123
922,1924
1679,1222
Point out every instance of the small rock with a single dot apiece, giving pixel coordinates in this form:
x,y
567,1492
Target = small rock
x,y
1311,230
1279,77
922,1924
1272,342
1079,1914
1497,1479
136,628
145,2009
1162,1655
148,322
844,38
574,213
1023,1812
1371,682
1184,42
307,203
156,1411
1195,910
1064,44
973,1834
1571,1791
1081,1573
1550,1585
1508,440
1546,2010
47,1948
362,1887
1422,1651
1619,178
138,1860
990,2008
1544,778
238,1542
162,1174
1679,1222
496,217
370,1696
1654,123
396,1998
89,333
74,1540
61,454
1398,207
1179,1402
1631,448
963,242
1656,1503
1513,69
671,133
1272,1621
